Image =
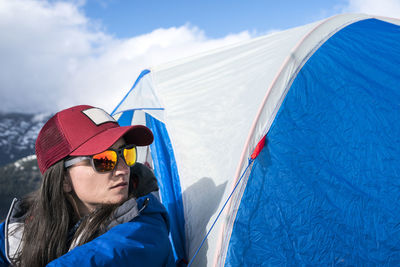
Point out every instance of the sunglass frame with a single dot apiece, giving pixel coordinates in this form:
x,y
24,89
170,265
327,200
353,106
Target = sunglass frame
x,y
120,154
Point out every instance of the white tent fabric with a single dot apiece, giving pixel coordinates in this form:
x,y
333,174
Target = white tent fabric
x,y
216,107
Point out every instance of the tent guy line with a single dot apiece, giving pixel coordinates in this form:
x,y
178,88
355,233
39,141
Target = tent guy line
x,y
220,212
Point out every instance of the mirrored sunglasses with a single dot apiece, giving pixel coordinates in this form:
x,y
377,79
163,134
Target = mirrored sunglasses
x,y
106,161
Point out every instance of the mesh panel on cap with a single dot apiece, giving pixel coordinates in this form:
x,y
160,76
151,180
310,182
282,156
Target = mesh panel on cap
x,y
51,145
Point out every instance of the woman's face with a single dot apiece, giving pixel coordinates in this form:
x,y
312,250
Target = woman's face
x,y
92,188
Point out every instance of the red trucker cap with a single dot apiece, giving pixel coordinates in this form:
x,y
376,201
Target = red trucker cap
x,y
81,131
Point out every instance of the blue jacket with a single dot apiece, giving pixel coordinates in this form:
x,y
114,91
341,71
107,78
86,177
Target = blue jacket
x,y
3,259
143,241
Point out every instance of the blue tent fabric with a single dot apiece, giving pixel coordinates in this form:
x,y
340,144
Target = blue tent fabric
x,y
126,118
167,173
325,188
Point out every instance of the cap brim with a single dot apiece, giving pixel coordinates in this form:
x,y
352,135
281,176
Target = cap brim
x,y
138,135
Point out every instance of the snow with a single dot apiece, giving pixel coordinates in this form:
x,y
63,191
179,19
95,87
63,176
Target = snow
x,y
18,134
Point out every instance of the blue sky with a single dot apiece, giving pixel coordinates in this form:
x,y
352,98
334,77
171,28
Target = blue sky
x,y
59,53
217,18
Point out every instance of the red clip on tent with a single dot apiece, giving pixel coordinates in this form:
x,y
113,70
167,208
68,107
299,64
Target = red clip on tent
x,y
304,124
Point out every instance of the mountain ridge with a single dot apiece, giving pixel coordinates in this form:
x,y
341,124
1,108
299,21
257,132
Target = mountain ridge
x,y
18,132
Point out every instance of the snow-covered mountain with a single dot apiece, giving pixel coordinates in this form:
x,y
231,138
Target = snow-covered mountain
x,y
18,133
19,173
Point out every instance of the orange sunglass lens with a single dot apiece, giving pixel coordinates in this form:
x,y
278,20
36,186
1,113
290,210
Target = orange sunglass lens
x,y
130,156
105,161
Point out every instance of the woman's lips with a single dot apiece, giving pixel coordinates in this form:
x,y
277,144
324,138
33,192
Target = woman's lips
x,y
122,184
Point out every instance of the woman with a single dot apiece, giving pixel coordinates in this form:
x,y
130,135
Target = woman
x,y
85,212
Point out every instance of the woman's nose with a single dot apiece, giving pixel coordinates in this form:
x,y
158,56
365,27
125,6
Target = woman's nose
x,y
122,166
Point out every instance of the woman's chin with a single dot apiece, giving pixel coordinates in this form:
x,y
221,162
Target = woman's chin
x,y
118,198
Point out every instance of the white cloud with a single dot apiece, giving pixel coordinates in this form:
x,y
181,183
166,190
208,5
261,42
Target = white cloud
x,y
52,56
388,8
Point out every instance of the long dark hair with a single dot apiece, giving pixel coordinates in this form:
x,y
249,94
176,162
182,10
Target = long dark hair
x,y
49,218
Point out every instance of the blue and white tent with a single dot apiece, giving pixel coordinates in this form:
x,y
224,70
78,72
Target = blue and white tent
x,y
284,148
